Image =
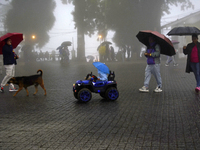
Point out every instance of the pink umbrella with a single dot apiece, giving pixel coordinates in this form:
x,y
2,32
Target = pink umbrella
x,y
15,37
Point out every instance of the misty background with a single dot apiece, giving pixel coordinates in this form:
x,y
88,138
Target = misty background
x,y
81,22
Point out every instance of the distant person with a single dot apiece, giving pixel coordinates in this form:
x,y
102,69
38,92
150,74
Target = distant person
x,y
46,55
102,76
128,52
53,55
9,60
41,55
192,50
107,52
66,53
112,53
102,52
171,59
153,66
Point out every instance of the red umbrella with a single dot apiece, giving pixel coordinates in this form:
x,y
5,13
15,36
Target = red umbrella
x,y
166,45
15,37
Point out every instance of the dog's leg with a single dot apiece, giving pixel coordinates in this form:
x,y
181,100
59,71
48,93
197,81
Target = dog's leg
x,y
20,88
36,89
42,85
26,91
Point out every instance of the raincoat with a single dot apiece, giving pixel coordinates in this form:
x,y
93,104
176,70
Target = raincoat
x,y
102,50
102,76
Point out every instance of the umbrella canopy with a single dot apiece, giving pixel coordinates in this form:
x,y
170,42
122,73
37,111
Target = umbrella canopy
x,y
105,42
66,43
60,47
101,67
166,45
15,37
184,31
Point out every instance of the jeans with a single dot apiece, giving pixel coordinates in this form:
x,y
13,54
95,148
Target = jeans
x,y
155,70
196,70
10,72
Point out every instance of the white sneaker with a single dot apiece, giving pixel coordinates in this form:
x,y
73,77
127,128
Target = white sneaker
x,y
144,89
176,64
166,64
158,89
12,90
1,89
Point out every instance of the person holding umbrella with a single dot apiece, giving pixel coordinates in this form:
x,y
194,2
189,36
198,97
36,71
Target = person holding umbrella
x,y
192,50
153,65
9,60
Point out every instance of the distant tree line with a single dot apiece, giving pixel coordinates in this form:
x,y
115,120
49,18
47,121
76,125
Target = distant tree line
x,y
124,17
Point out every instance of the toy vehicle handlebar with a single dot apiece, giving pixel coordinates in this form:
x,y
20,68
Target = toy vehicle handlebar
x,y
93,77
89,74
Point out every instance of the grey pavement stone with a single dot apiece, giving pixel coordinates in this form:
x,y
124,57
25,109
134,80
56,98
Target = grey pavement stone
x,y
167,120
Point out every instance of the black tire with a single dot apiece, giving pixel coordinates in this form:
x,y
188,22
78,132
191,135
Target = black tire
x,y
84,95
102,95
112,94
76,95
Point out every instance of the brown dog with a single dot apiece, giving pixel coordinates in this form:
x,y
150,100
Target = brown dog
x,y
26,81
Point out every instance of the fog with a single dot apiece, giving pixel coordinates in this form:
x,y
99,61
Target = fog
x,y
121,28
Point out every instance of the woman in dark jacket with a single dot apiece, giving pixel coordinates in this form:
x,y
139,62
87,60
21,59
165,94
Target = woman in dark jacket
x,y
9,60
193,59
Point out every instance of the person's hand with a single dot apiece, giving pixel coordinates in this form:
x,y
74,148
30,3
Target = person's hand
x,y
147,54
184,47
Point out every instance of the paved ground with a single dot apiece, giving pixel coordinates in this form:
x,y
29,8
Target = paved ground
x,y
167,120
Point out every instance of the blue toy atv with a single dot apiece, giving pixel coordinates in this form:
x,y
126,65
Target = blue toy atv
x,y
83,89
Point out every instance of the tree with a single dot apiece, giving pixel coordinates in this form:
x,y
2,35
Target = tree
x,y
31,17
125,17
85,15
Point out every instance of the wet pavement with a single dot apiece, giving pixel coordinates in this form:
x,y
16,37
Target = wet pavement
x,y
167,120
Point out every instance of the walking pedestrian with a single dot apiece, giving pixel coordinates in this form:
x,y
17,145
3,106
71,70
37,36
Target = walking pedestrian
x,y
192,50
171,59
153,66
9,60
112,53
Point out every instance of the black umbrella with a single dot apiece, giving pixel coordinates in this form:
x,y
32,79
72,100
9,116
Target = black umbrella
x,y
105,42
166,46
184,31
66,43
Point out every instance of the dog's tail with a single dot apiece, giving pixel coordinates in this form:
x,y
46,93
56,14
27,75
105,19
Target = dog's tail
x,y
41,72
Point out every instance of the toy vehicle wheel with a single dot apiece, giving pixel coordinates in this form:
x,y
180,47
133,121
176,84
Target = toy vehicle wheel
x,y
112,94
84,95
76,95
102,95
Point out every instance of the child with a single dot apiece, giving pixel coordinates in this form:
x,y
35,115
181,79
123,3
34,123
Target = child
x,y
102,76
